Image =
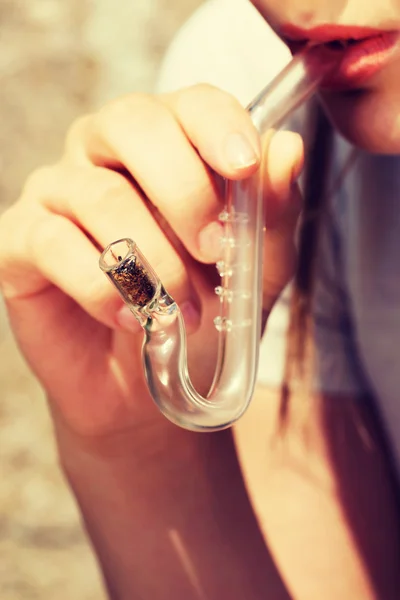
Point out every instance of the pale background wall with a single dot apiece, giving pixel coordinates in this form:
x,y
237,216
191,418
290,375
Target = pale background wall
x,y
58,59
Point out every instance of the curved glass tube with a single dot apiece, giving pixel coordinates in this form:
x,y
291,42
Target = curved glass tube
x,y
239,325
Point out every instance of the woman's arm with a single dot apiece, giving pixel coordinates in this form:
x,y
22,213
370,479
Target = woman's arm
x,y
144,487
168,515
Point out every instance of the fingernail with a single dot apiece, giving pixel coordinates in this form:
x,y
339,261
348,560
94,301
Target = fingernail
x,y
191,314
127,321
239,151
210,241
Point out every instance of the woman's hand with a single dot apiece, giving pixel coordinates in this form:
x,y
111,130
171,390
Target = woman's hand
x,y
141,167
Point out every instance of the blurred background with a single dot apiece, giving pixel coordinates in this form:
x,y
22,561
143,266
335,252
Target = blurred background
x,y
58,59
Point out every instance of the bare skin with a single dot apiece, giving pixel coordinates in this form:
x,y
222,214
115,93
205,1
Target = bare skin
x,y
173,514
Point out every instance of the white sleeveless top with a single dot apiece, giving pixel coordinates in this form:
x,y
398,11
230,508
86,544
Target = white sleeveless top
x,y
357,315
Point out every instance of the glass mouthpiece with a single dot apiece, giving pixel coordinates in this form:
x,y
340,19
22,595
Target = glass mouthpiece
x,y
239,323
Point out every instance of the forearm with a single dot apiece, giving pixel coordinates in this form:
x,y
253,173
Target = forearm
x,y
168,515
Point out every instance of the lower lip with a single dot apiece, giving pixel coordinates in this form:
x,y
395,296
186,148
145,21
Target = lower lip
x,y
360,62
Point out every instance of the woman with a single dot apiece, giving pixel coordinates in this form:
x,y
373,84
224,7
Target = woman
x,y
300,505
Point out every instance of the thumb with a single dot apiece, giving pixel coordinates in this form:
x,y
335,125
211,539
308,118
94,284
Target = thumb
x,y
283,164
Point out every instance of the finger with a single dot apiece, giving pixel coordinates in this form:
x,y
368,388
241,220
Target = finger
x,y
113,209
219,128
49,250
284,161
160,142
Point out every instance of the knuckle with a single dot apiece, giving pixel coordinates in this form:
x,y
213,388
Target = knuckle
x,y
190,99
76,133
37,182
135,110
112,183
15,222
201,89
15,226
108,187
43,233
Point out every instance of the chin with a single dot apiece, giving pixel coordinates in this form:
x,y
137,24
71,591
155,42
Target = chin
x,y
369,119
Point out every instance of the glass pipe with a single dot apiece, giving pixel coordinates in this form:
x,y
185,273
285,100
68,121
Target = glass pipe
x,y
239,324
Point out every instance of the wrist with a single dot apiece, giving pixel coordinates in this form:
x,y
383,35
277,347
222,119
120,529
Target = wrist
x,y
151,445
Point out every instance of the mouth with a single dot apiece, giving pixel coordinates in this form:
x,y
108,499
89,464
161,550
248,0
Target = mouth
x,y
361,52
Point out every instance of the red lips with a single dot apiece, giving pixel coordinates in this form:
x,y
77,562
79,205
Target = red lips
x,y
321,34
362,51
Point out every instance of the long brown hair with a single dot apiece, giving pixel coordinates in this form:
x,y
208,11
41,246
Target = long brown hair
x,y
319,154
